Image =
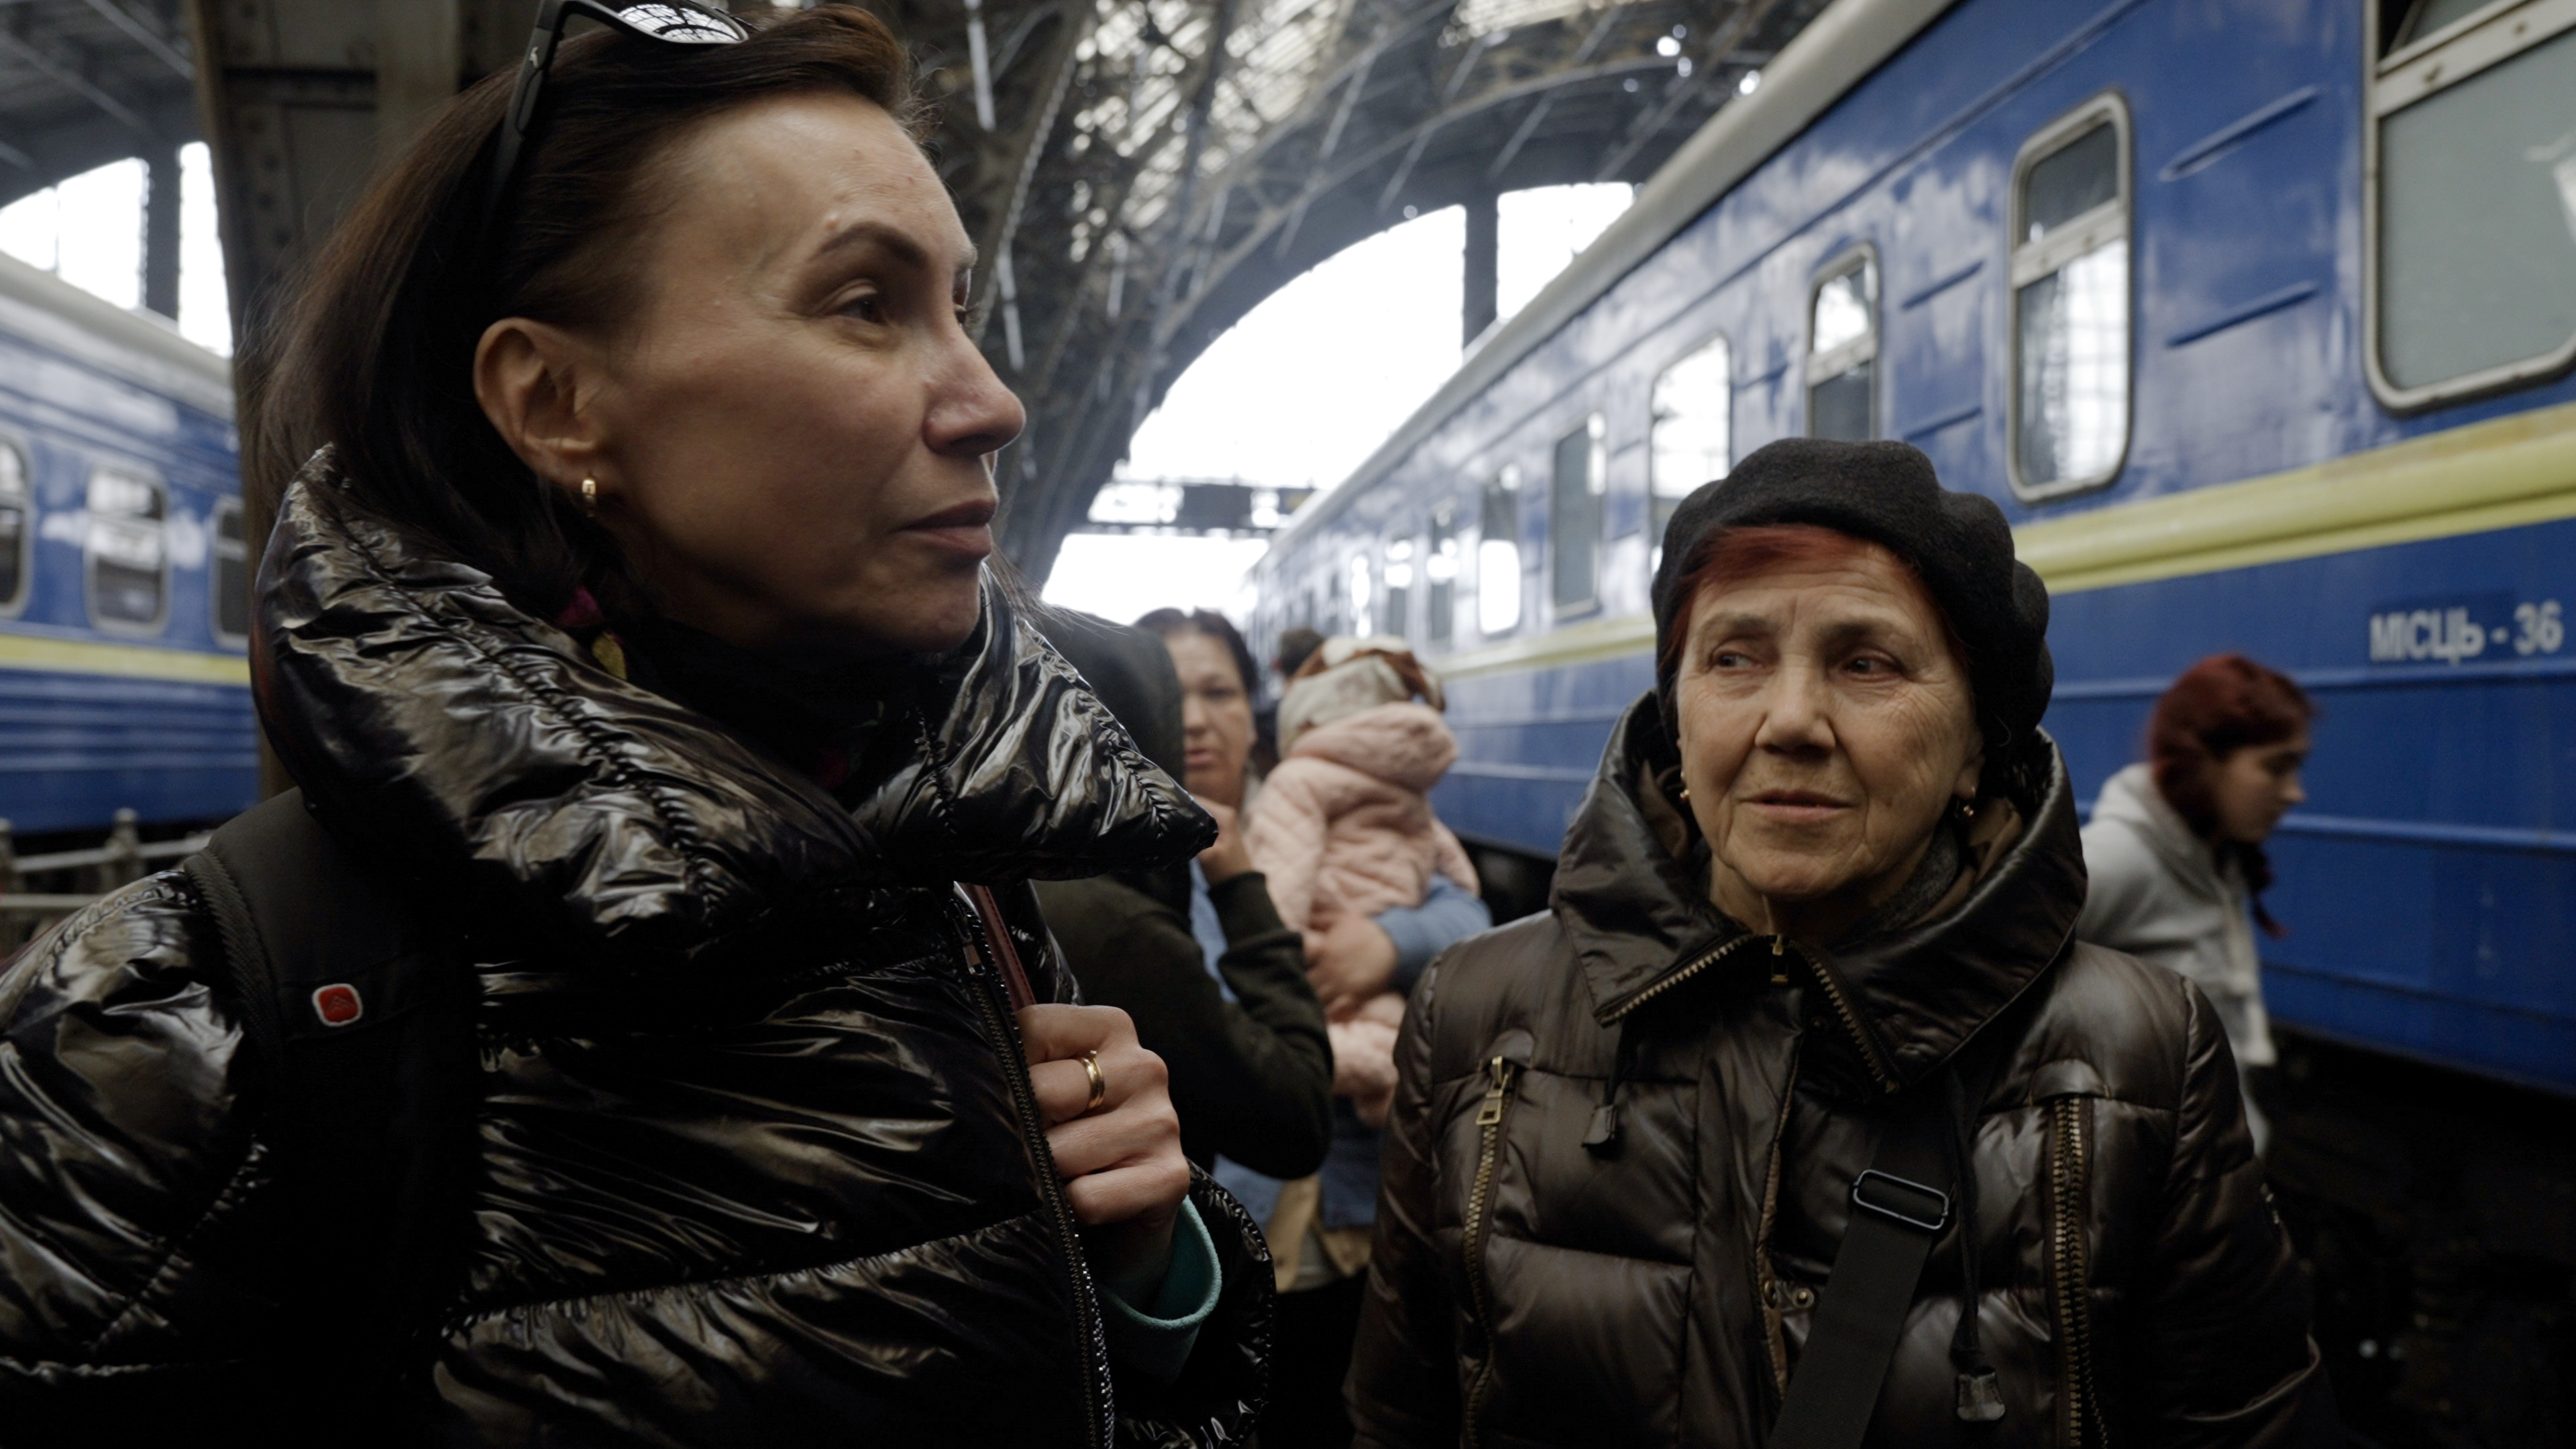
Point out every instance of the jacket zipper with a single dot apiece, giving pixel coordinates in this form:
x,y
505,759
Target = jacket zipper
x,y
1499,1073
1834,992
2070,1275
1869,1053
1007,1045
1696,966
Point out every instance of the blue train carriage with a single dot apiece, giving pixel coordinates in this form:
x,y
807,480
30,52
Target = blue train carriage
x,y
2257,320
124,570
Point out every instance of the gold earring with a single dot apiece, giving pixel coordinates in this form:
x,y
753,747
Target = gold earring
x,y
1686,792
590,495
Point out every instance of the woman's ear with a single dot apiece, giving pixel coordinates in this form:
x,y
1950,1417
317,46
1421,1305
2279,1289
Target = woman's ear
x,y
531,380
1972,772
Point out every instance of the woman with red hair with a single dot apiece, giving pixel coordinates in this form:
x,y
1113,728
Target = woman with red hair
x,y
2175,848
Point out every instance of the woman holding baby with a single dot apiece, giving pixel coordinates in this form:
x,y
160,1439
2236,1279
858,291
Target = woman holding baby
x,y
1354,860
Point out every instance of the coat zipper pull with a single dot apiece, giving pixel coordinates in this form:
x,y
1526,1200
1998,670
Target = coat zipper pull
x,y
1499,1075
1981,1396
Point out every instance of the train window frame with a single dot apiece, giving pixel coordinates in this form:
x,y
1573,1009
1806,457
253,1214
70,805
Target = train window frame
x,y
1657,515
1441,557
1501,495
2027,262
2429,66
1395,587
16,603
1823,367
218,549
133,628
1594,430
1359,590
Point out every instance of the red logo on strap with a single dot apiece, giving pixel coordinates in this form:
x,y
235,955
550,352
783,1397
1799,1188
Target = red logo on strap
x,y
338,1004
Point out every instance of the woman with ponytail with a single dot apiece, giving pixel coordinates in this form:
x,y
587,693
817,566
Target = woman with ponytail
x,y
2175,848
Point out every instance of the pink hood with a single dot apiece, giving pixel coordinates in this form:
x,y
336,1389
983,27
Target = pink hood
x,y
1343,827
1405,745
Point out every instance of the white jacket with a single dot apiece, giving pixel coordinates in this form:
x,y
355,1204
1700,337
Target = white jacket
x,y
2159,893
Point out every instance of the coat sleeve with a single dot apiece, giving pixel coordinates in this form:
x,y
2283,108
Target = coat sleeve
x,y
1403,1387
133,1193
1218,1395
1285,837
1252,1077
2221,1353
2120,878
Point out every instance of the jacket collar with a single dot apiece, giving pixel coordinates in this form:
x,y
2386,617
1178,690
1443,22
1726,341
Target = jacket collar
x,y
1638,917
425,713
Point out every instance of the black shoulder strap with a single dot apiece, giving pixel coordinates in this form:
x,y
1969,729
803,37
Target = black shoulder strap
x,y
1900,1206
356,1006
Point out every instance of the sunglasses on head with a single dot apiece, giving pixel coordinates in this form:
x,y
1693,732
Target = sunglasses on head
x,y
665,22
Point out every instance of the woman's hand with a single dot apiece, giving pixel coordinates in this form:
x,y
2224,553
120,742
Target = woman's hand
x,y
1229,857
1122,1165
1349,962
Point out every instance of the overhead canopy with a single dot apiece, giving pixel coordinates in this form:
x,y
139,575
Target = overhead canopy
x,y
86,82
1138,173
1160,166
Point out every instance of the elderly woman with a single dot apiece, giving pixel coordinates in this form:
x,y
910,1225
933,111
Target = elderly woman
x,y
1799,1120
631,638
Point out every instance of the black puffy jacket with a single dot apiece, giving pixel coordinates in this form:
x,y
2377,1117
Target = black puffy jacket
x,y
2133,1284
752,1157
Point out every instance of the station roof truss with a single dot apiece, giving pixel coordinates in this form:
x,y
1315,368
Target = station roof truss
x,y
1155,168
87,82
1137,174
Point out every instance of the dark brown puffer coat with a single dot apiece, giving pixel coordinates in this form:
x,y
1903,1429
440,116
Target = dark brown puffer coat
x,y
2135,1286
750,1157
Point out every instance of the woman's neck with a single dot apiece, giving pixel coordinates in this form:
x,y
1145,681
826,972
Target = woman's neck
x,y
1829,917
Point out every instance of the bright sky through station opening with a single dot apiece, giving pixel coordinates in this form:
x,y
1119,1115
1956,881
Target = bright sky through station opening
x,y
1310,382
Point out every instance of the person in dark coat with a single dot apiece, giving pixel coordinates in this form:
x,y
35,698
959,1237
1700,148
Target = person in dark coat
x,y
1826,881
630,620
1251,1069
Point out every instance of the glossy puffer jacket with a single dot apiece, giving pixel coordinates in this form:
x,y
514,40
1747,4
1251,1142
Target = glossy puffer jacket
x,y
752,1158
1655,1287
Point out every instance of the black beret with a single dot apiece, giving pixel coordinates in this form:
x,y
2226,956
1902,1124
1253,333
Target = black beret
x,y
1887,493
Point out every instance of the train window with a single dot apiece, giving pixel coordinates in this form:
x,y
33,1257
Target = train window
x,y
1361,621
1498,556
1394,617
1440,573
2472,156
1574,515
128,549
1842,350
1689,436
229,575
17,505
2070,297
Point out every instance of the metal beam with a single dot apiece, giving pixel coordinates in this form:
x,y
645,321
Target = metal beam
x,y
145,36
71,79
161,231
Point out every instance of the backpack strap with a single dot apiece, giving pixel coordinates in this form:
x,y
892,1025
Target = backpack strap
x,y
356,1008
1900,1206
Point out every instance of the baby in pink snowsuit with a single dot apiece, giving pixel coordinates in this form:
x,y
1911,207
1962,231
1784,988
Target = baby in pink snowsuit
x,y
1343,826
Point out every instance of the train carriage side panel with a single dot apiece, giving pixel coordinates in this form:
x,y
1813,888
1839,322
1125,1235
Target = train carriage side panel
x,y
120,687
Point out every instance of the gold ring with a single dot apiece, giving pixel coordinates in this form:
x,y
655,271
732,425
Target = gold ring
x,y
1099,1083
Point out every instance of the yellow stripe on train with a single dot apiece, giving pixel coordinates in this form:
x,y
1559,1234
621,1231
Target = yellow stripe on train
x,y
121,661
2507,473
